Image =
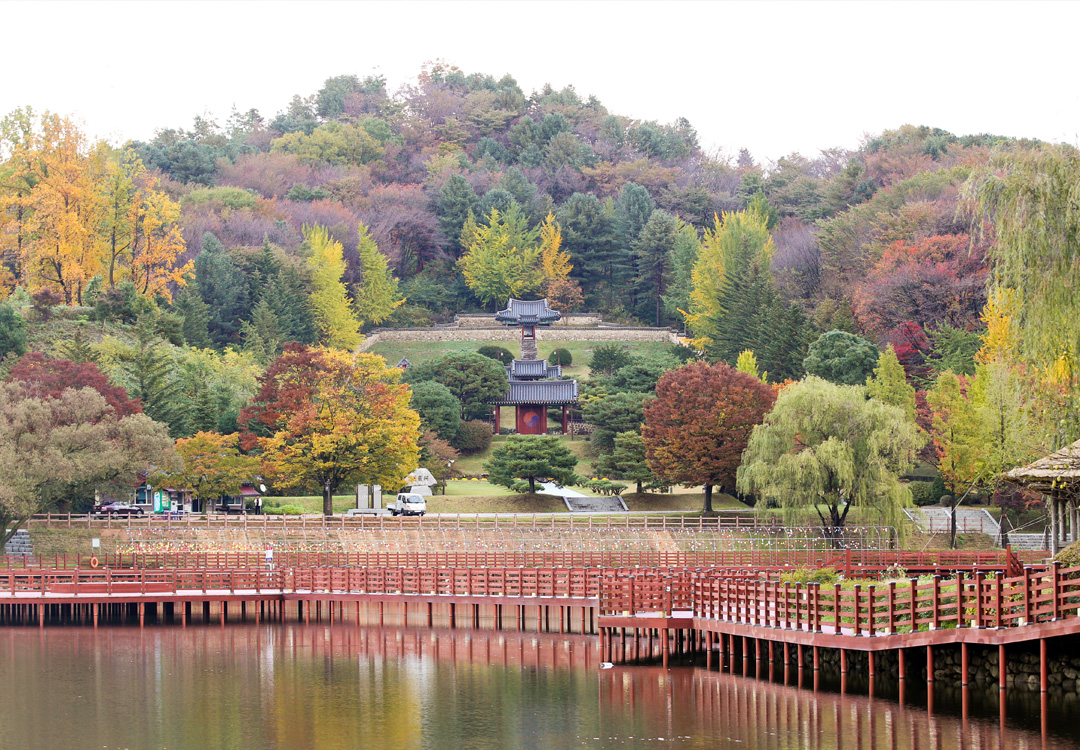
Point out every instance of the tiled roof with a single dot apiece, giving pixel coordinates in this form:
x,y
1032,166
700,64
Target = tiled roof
x,y
530,312
539,392
524,369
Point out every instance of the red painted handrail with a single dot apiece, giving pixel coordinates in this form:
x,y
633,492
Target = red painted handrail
x,y
977,601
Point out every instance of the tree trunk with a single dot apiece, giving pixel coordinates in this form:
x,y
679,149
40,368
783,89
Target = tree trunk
x,y
708,499
532,485
328,499
952,527
639,487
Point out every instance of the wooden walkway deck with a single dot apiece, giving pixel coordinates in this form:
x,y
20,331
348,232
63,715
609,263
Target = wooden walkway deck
x,y
766,561
716,613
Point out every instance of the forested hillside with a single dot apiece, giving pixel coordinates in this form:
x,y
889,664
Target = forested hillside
x,y
357,206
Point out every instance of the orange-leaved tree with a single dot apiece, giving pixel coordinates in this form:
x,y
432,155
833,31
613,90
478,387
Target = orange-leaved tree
x,y
213,465
323,418
698,426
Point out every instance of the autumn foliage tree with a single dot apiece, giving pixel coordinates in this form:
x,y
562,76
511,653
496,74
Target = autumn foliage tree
x,y
63,447
502,257
932,281
323,418
48,378
213,465
698,426
334,316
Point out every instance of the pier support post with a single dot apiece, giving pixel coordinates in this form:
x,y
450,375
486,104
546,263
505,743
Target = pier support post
x,y
1044,667
900,663
1003,667
964,664
664,647
708,649
817,659
843,661
929,664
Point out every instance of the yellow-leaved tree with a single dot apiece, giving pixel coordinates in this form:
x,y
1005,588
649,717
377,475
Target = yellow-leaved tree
x,y
61,249
139,238
333,418
334,315
378,295
735,241
502,257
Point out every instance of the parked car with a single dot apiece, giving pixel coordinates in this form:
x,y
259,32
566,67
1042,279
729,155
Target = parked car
x,y
408,504
118,509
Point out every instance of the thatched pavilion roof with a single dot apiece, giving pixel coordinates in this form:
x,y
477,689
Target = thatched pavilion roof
x,y
1057,473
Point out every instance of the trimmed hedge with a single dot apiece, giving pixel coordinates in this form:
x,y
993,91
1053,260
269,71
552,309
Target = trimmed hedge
x,y
560,356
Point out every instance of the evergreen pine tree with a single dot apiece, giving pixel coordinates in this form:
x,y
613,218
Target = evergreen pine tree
x,y
456,201
150,372
223,288
262,334
78,348
652,249
633,208
287,296
196,315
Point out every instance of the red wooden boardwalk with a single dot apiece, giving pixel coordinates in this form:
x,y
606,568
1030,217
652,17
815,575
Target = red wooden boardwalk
x,y
849,562
710,610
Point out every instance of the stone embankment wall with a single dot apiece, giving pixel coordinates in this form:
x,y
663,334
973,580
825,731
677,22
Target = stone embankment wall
x,y
1022,674
570,320
501,333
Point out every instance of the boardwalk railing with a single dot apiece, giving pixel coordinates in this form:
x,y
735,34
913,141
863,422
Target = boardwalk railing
x,y
851,561
748,520
977,602
562,583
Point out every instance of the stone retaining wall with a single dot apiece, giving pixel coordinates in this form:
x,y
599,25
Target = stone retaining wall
x,y
501,333
571,320
1023,672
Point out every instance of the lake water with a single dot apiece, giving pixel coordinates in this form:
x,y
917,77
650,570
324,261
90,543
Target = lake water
x,y
348,686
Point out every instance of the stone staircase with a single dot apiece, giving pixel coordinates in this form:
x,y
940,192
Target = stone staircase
x,y
935,520
528,348
19,544
595,504
1035,542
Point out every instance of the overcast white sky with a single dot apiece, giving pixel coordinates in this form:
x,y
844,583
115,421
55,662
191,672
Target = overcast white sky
x,y
775,77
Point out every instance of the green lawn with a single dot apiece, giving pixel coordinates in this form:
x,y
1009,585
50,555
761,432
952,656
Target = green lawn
x,y
473,488
581,351
690,499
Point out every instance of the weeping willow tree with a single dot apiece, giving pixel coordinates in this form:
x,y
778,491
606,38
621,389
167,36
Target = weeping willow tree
x,y
1030,200
825,449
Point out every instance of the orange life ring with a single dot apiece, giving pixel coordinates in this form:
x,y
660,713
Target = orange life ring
x,y
93,561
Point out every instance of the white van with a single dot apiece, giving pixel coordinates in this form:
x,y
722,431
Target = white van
x,y
408,504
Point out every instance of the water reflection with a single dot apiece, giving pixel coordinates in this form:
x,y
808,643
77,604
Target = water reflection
x,y
351,686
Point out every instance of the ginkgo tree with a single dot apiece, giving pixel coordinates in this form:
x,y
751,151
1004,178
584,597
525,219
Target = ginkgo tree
x,y
506,258
334,315
323,418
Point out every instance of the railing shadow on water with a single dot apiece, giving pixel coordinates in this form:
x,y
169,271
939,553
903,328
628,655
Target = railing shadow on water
x,y
826,710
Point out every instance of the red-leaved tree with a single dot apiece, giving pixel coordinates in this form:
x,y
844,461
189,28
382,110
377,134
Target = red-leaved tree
x,y
43,377
698,426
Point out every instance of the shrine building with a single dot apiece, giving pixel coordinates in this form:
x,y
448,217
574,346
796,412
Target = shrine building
x,y
532,384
